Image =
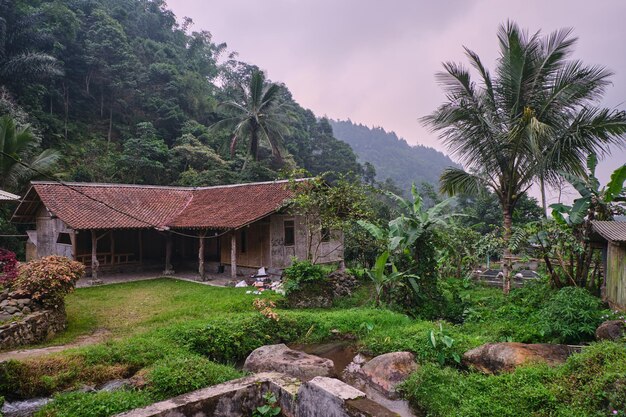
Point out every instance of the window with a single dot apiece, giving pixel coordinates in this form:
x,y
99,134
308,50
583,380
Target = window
x,y
64,239
244,241
325,232
290,235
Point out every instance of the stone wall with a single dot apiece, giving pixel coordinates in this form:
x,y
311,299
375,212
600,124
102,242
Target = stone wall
x,y
20,325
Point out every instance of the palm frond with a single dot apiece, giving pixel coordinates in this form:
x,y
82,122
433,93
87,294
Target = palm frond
x,y
455,181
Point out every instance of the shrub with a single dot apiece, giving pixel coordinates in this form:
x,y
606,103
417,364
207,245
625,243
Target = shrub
x,y
48,279
8,267
571,315
97,404
179,374
302,275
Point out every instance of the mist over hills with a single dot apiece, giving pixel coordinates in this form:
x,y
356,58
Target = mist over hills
x,y
392,156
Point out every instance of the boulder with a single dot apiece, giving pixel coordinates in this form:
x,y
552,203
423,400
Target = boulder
x,y
611,330
497,357
386,371
280,358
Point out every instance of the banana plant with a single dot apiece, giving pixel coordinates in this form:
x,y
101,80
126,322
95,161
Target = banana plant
x,y
594,203
380,276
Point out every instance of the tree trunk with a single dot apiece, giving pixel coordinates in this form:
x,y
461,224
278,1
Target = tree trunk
x,y
254,142
506,256
542,185
110,126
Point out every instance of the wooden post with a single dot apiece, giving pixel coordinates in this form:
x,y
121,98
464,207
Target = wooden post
x,y
233,255
168,255
94,255
140,248
112,248
201,254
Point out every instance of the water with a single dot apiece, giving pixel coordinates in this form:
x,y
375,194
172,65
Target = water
x,y
342,353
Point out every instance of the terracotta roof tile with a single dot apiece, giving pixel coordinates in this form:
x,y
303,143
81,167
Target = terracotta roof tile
x,y
117,206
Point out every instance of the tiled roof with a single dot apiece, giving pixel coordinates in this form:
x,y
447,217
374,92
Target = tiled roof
x,y
610,230
6,196
117,206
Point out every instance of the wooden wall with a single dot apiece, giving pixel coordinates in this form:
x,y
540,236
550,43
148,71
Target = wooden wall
x,y
615,289
266,244
48,229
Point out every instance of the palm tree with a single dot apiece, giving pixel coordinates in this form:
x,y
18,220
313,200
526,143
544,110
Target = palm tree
x,y
256,117
18,61
17,162
537,116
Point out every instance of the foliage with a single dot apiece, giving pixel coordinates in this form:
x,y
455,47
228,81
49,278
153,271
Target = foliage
x,y
590,384
442,343
18,158
301,275
328,207
256,116
594,203
270,408
8,267
571,316
382,279
97,404
410,244
534,118
176,375
48,279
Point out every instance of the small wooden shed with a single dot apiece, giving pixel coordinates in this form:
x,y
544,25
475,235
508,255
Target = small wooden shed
x,y
613,236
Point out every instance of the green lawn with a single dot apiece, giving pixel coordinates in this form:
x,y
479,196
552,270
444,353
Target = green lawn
x,y
136,307
182,336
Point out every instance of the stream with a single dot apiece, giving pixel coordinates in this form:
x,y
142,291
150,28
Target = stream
x,y
342,353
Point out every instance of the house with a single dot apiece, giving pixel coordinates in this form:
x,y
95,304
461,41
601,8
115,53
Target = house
x,y
612,237
119,227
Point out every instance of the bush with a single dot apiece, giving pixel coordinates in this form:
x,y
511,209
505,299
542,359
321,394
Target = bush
x,y
98,404
303,275
8,267
48,279
590,384
571,316
179,374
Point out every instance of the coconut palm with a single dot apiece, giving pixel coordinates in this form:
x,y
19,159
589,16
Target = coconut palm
x,y
18,162
535,117
255,116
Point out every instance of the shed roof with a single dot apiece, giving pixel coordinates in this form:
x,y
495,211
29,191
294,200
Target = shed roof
x,y
6,196
610,230
119,206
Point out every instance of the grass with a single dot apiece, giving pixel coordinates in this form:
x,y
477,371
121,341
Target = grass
x,y
182,336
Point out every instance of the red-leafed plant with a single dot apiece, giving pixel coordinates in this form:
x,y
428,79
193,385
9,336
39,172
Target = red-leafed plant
x,y
8,267
48,280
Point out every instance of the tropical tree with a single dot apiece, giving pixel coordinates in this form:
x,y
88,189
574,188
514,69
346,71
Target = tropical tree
x,y
18,161
256,116
18,60
535,118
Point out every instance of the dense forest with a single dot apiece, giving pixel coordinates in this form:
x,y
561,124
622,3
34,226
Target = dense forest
x,y
392,157
125,92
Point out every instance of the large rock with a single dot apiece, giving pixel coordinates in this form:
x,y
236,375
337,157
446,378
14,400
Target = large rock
x,y
279,358
386,371
498,357
611,330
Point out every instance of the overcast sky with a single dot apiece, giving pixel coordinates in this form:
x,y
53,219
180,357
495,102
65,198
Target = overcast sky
x,y
374,61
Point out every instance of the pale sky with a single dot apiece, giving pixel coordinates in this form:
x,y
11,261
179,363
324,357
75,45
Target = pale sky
x,y
374,61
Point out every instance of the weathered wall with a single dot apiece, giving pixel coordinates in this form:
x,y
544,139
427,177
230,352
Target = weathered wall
x,y
33,328
48,230
321,252
257,253
616,275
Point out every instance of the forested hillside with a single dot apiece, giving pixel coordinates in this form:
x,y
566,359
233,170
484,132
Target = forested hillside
x,y
126,93
392,156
